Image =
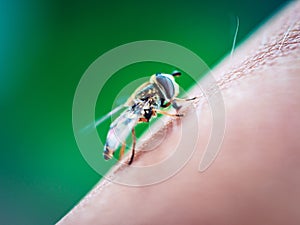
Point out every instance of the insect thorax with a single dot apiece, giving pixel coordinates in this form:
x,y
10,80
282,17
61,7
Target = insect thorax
x,y
147,98
146,92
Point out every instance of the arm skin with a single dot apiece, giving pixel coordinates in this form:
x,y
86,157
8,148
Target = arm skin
x,y
256,177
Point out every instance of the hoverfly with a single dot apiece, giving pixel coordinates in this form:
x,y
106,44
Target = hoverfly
x,y
160,91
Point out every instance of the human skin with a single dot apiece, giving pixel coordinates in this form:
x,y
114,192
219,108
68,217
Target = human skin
x,y
255,178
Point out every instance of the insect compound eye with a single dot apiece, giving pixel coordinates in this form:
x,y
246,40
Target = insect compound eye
x,y
167,85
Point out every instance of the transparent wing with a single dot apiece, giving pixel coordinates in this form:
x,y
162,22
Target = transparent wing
x,y
102,119
121,128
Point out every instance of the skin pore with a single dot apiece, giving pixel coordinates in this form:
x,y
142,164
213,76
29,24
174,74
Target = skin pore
x,y
255,178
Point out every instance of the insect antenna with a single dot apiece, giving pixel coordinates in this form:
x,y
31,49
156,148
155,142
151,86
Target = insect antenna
x,y
176,73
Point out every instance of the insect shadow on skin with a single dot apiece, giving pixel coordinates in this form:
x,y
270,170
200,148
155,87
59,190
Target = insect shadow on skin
x,y
146,102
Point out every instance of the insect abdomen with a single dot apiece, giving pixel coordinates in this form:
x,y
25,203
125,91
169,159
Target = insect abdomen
x,y
119,131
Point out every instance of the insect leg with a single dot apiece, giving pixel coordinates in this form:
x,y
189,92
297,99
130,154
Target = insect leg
x,y
168,114
143,120
122,151
133,146
163,104
176,100
185,99
166,105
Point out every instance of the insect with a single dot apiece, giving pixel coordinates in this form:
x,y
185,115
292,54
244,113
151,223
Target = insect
x,y
146,102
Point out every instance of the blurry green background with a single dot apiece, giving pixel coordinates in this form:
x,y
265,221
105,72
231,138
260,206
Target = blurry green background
x,y
46,46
